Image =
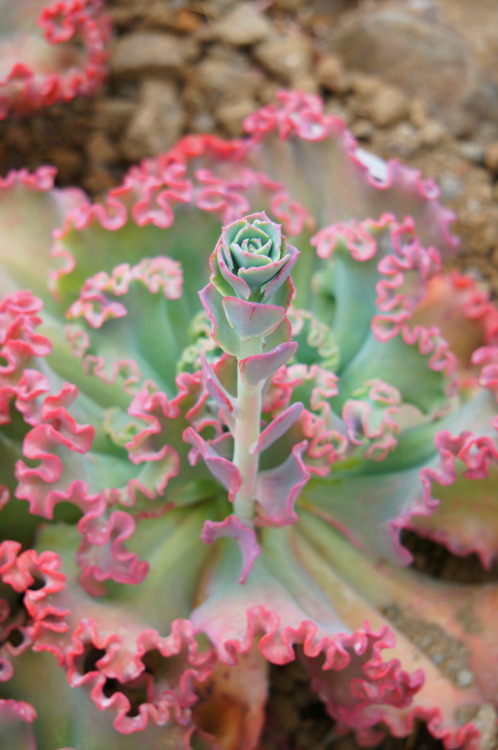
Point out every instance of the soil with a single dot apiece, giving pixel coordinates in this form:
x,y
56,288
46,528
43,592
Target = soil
x,y
429,98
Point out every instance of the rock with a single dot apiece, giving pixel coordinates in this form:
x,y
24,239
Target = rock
x,y
407,49
342,112
432,133
403,140
100,150
201,122
491,157
472,151
418,113
291,5
151,52
159,15
158,122
387,106
482,103
231,116
331,75
227,76
244,24
308,84
114,114
362,129
364,85
287,56
451,187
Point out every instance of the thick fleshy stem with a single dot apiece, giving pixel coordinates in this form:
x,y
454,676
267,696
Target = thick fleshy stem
x,y
246,433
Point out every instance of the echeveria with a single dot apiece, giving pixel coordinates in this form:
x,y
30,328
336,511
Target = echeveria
x,y
252,259
194,488
50,52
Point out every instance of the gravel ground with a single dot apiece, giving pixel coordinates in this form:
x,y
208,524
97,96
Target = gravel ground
x,y
428,97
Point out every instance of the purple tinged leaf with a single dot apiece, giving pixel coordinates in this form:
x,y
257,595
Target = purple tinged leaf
x,y
221,468
223,399
274,284
281,335
244,535
283,295
278,488
237,284
277,428
260,367
222,333
257,276
251,318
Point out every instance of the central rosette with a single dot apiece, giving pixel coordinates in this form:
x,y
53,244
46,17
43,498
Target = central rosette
x,y
253,258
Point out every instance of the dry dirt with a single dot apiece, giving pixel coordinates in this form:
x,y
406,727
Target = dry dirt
x,y
414,79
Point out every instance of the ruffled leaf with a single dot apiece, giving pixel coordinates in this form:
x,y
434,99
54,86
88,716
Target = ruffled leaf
x,y
50,52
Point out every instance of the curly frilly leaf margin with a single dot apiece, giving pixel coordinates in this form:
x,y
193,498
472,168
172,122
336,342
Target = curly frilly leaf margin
x,y
50,51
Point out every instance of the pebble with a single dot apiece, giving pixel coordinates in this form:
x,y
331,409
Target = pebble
x,y
472,151
287,56
364,85
308,84
291,5
420,55
243,25
491,157
387,106
201,122
152,52
100,150
432,133
231,116
451,187
331,75
363,129
403,140
339,110
158,122
114,114
182,19
418,112
228,76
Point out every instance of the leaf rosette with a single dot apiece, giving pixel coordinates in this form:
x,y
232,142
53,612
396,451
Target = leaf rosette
x,y
252,259
230,492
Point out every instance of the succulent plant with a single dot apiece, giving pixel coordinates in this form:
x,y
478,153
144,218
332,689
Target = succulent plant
x,y
225,391
50,52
